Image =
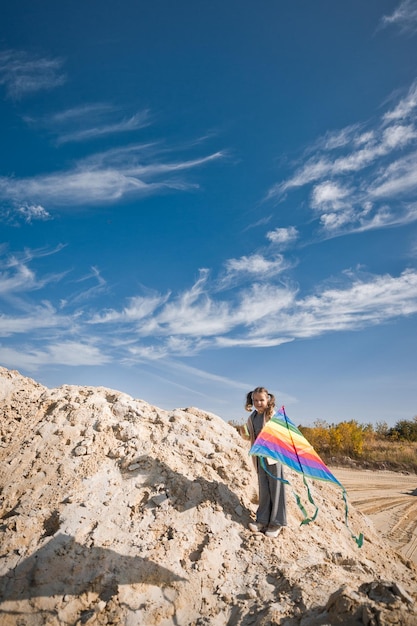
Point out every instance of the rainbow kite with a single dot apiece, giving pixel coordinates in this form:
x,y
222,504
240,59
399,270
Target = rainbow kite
x,y
281,440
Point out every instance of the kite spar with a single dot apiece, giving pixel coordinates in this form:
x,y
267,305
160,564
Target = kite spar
x,y
282,441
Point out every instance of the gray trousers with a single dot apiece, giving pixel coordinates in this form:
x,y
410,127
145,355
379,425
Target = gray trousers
x,y
272,508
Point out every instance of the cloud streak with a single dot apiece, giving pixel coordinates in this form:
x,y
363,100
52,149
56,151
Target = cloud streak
x,y
362,177
155,326
23,75
70,353
404,16
94,121
103,178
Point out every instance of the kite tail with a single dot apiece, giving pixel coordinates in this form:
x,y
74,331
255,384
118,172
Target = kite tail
x,y
310,498
358,539
306,518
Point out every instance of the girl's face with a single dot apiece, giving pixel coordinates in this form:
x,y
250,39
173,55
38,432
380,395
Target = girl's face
x,y
260,402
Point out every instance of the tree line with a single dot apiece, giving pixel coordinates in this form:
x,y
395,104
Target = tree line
x,y
351,438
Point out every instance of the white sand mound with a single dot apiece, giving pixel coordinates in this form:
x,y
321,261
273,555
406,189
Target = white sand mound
x,y
117,512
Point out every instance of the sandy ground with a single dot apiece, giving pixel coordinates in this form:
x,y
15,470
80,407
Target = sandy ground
x,y
389,499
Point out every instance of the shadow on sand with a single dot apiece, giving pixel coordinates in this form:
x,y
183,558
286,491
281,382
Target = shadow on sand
x,y
185,493
64,567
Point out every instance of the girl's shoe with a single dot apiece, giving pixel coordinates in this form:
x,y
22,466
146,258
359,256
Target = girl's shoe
x,y
256,527
273,531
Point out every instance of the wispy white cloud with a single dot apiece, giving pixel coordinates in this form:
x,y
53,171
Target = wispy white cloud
x,y
398,179
332,201
261,222
191,320
314,169
96,181
267,315
18,279
138,308
263,315
195,372
132,155
161,326
192,313
77,114
255,265
283,236
32,213
23,74
69,353
42,316
384,217
86,293
334,140
362,303
329,194
89,122
260,301
320,166
348,173
405,108
74,353
370,301
257,341
110,176
404,16
259,266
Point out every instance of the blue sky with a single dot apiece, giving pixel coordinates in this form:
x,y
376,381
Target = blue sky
x,y
197,198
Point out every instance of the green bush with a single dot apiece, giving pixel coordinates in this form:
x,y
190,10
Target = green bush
x,y
404,430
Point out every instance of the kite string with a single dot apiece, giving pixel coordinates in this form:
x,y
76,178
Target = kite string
x,y
292,440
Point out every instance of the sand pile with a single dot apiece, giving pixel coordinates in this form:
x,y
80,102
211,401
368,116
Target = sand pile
x,y
116,512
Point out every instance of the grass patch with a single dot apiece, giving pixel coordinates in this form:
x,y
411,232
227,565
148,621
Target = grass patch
x,y
381,454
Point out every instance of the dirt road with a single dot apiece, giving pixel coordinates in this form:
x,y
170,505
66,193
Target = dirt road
x,y
389,499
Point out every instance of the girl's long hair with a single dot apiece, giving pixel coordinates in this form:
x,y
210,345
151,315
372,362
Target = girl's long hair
x,y
271,401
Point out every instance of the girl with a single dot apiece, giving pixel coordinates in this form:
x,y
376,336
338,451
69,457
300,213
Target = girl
x,y
271,515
